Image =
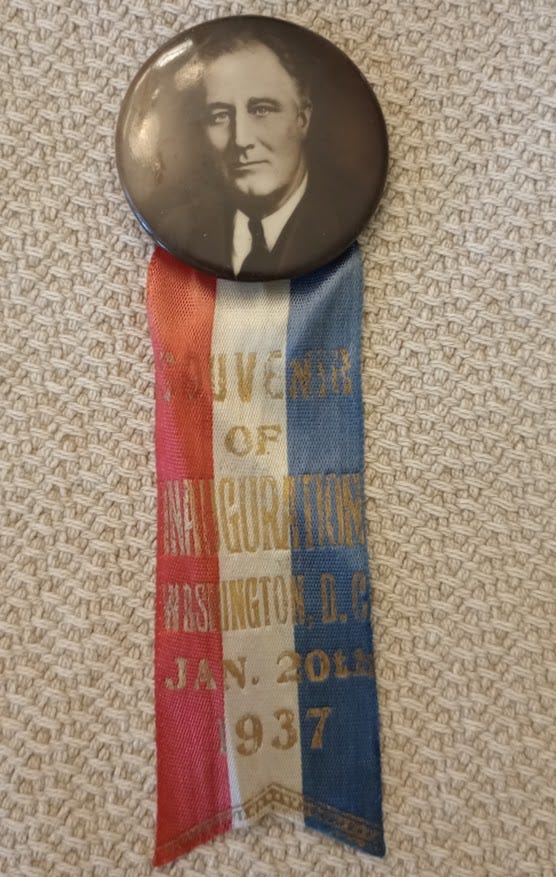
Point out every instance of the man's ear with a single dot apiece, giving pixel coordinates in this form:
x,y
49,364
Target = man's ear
x,y
304,116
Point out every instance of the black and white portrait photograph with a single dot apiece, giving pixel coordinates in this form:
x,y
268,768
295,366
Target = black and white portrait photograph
x,y
252,148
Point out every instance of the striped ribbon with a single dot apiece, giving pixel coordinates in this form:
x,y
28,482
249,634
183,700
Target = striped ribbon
x,y
264,675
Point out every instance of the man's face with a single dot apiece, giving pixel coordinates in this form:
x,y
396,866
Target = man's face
x,y
257,123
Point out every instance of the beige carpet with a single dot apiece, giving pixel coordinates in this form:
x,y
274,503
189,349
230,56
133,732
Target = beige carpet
x,y
458,370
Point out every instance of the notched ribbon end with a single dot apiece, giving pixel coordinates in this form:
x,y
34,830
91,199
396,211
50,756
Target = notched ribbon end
x,y
359,833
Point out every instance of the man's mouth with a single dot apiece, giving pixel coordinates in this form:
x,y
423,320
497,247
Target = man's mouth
x,y
246,166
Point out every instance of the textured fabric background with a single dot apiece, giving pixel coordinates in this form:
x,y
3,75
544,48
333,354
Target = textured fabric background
x,y
458,363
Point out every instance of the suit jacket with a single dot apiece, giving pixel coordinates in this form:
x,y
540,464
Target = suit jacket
x,y
320,228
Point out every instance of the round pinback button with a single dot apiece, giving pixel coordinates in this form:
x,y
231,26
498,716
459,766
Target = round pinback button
x,y
251,148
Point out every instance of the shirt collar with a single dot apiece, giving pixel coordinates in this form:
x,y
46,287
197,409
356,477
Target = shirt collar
x,y
272,226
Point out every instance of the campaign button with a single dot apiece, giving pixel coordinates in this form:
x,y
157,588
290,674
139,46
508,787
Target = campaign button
x,y
251,148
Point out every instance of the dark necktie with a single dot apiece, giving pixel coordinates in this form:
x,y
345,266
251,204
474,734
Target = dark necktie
x,y
257,259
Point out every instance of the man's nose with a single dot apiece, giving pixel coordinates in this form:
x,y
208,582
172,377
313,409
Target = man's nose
x,y
243,131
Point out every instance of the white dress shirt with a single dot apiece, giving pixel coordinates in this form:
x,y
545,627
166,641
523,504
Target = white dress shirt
x,y
272,227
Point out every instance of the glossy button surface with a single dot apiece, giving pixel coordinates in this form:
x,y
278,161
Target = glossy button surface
x,y
251,148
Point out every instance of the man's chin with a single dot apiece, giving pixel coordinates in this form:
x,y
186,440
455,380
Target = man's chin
x,y
256,199
252,190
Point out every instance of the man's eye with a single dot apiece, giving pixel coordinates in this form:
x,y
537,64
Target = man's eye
x,y
261,110
219,117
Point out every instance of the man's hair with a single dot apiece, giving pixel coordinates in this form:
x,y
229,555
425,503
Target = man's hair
x,y
227,36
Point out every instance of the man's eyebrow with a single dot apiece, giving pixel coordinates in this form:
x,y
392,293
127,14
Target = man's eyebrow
x,y
219,105
253,101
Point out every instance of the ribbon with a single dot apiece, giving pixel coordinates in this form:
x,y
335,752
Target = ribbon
x,y
264,674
